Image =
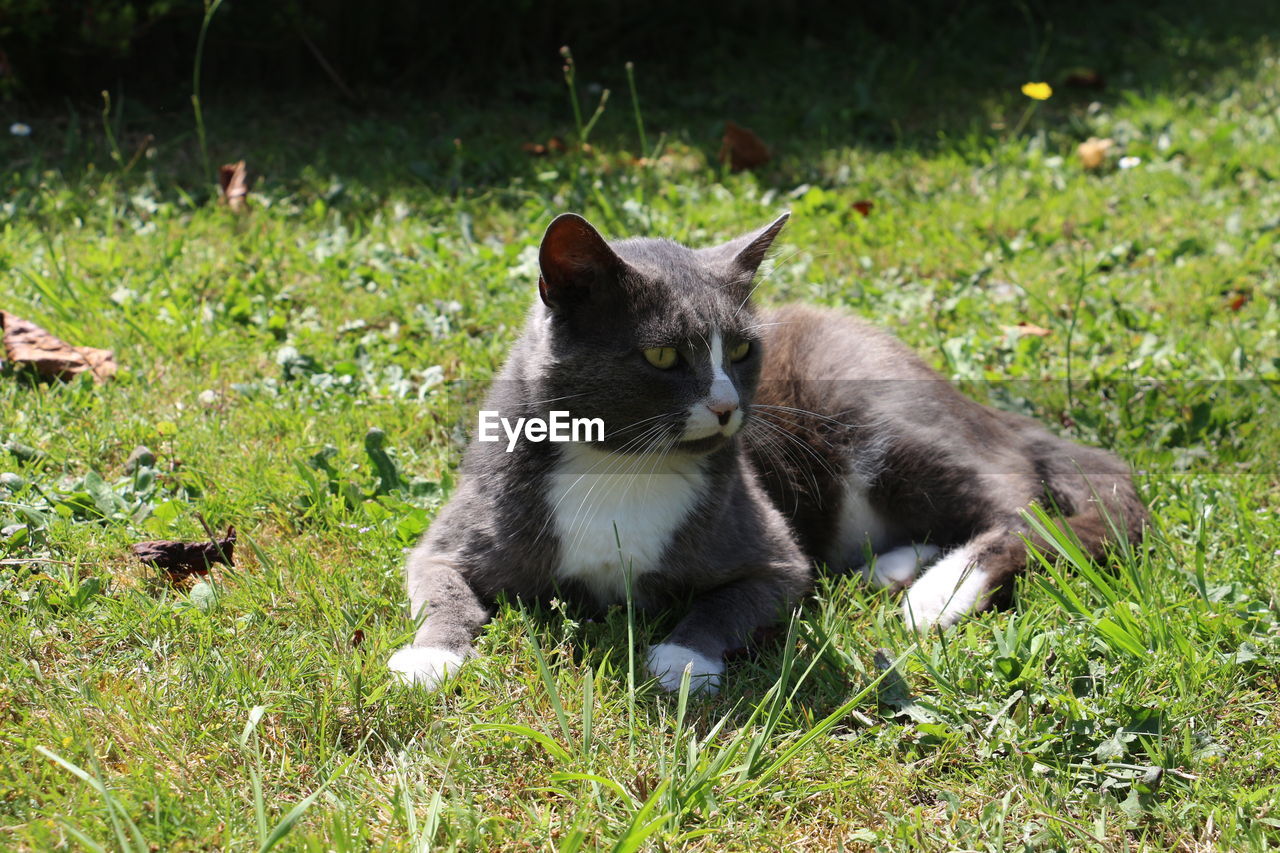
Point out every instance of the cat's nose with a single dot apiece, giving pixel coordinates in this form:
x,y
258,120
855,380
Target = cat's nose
x,y
723,411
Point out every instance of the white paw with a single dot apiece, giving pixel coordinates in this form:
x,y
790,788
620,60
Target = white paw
x,y
667,663
953,587
424,666
899,567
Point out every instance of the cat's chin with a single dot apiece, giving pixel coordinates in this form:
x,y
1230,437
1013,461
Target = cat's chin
x,y
703,446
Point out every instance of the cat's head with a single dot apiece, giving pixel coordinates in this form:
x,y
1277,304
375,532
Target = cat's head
x,y
658,340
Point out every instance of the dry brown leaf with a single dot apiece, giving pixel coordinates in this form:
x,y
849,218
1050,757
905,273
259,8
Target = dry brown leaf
x,y
1025,328
25,343
741,148
1084,78
555,145
233,181
1093,152
180,559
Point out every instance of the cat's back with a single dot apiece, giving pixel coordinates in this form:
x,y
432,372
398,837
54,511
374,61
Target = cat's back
x,y
834,365
844,408
807,343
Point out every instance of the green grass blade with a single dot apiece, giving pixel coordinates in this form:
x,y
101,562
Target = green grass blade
x,y
826,724
549,682
604,782
286,823
588,710
115,810
546,741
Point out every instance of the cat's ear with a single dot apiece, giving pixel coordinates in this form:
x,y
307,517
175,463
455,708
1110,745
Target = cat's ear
x,y
574,259
746,253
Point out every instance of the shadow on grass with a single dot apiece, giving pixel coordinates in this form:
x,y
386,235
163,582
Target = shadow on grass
x,y
808,78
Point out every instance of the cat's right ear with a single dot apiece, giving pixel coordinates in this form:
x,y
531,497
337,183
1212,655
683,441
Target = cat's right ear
x,y
741,258
574,259
749,250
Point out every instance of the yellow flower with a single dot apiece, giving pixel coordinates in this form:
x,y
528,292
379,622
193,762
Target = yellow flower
x,y
1038,91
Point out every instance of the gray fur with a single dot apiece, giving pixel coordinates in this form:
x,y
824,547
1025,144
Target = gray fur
x,y
829,404
580,351
840,398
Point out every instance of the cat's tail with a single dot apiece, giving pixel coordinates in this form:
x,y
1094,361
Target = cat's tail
x,y
1095,500
1093,491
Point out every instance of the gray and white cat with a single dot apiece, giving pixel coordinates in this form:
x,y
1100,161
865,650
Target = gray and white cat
x,y
740,447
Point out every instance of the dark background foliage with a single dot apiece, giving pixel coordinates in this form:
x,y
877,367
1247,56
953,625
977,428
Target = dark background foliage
x,y
75,48
403,81
53,47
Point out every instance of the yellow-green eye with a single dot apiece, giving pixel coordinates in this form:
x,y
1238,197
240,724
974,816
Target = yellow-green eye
x,y
739,352
663,358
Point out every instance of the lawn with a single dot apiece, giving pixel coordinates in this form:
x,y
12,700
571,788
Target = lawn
x,y
376,282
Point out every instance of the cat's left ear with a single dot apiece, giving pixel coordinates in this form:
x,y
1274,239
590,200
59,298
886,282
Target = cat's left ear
x,y
745,254
574,261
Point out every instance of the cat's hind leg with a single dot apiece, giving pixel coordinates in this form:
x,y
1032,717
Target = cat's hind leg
x,y
451,614
966,579
896,569
973,576
953,587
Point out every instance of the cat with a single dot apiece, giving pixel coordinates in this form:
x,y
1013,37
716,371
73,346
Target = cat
x,y
894,461
662,344
741,447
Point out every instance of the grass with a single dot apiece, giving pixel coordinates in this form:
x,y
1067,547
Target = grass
x,y
378,282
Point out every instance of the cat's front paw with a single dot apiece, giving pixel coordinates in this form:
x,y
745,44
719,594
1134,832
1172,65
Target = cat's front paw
x,y
667,663
424,666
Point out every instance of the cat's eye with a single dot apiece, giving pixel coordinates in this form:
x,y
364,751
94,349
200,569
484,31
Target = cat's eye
x,y
741,351
663,358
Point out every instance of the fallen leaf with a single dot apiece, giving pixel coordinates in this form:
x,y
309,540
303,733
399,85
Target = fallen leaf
x,y
234,186
180,559
1084,78
555,145
642,785
863,207
25,343
1025,328
1093,152
741,148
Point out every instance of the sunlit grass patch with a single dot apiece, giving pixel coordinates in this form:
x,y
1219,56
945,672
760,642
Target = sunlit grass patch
x,y
304,371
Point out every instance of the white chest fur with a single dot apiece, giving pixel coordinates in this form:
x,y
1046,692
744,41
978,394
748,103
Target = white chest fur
x,y
859,526
616,512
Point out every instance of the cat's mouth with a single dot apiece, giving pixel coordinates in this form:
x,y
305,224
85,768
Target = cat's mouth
x,y
704,445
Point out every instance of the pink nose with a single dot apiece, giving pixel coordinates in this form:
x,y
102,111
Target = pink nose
x,y
723,411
